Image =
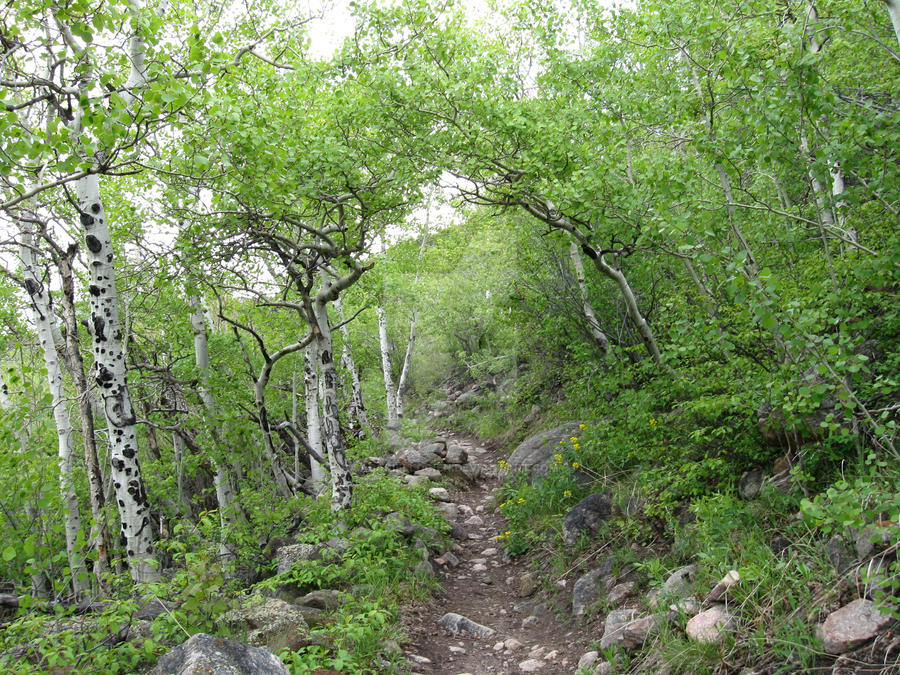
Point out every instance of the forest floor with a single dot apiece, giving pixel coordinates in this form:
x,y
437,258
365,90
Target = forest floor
x,y
531,635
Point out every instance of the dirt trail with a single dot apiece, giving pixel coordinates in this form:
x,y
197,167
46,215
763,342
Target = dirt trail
x,y
485,586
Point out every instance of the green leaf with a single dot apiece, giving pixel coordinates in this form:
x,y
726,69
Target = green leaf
x,y
9,553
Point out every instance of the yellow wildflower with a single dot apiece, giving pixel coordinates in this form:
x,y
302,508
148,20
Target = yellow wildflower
x,y
577,447
582,427
653,422
574,439
575,465
567,493
557,458
520,500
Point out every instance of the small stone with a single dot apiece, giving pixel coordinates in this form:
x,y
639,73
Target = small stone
x,y
549,656
479,567
449,509
604,668
498,647
528,584
440,494
619,593
429,472
422,660
750,483
852,625
722,587
710,626
529,622
531,665
587,660
416,480
474,521
459,651
489,552
456,454
512,644
456,623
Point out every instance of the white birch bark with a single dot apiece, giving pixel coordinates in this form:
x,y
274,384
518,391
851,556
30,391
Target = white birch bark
x,y
393,418
43,319
110,376
341,484
589,314
407,362
39,586
313,417
221,479
358,406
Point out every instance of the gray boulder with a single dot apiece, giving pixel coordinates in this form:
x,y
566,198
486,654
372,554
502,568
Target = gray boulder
x,y
204,653
269,623
288,555
586,591
586,516
456,454
624,629
536,453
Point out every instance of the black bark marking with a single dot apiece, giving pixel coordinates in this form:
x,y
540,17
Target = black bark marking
x,y
94,290
86,219
128,453
118,464
326,357
95,208
93,244
99,325
589,252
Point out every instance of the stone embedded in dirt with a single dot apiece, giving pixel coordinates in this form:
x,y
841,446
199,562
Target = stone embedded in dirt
x,y
416,480
421,660
429,472
479,567
489,552
527,585
447,559
616,620
586,516
459,651
457,623
604,668
456,454
458,532
269,623
710,626
587,660
586,591
619,593
530,622
449,509
852,625
440,494
474,521
204,653
536,453
436,446
531,665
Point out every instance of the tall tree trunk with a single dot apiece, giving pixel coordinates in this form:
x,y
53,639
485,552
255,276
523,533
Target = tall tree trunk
x,y
341,485
43,320
358,408
39,586
407,362
75,362
111,379
221,479
313,416
393,418
593,325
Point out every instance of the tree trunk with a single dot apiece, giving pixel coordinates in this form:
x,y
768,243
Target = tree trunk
x,y
407,361
313,417
341,485
221,479
593,325
43,320
393,418
358,408
75,362
894,10
111,379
